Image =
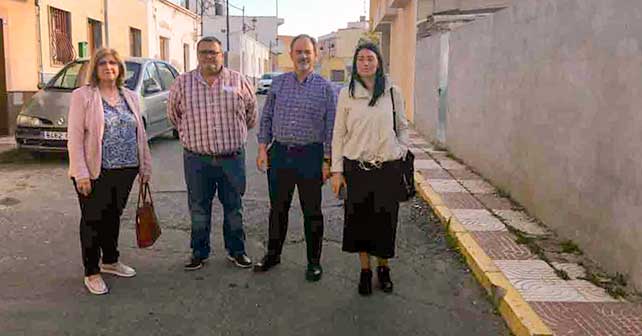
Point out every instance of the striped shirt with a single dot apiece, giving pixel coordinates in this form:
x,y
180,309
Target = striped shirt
x,y
299,113
212,119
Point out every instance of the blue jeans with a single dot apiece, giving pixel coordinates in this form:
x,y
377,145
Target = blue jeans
x,y
204,176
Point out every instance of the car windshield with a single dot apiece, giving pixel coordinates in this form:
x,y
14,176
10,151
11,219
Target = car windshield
x,y
75,75
267,76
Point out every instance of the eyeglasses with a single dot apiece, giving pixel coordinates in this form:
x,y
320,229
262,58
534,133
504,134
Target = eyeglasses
x,y
105,62
209,52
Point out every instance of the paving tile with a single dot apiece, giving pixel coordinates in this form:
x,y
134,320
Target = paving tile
x,y
591,319
451,164
494,202
435,174
421,155
464,174
478,186
478,220
547,290
446,186
591,292
573,271
460,201
522,222
501,245
526,270
426,164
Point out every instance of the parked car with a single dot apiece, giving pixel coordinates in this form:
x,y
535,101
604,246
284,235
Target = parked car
x,y
42,123
266,82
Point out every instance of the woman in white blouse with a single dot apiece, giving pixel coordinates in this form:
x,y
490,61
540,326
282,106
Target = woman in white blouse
x,y
367,147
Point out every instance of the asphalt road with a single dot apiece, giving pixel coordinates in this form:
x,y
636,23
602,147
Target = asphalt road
x,y
41,290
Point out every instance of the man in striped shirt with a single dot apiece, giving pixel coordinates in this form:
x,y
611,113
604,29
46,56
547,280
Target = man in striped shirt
x,y
296,124
212,108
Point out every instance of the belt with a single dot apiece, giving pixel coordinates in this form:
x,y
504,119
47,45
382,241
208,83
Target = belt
x,y
230,155
295,147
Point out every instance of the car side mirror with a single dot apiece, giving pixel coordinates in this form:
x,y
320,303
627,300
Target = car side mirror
x,y
152,87
41,85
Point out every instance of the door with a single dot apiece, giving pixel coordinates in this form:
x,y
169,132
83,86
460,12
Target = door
x,y
155,99
4,112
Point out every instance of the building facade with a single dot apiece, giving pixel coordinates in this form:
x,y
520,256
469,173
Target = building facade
x,y
174,29
283,60
337,49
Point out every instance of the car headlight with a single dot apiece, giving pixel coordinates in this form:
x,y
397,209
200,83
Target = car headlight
x,y
24,120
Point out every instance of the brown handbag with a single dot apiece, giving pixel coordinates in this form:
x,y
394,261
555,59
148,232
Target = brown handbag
x,y
147,228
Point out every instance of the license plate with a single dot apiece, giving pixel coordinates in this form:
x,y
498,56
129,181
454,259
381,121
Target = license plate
x,y
54,135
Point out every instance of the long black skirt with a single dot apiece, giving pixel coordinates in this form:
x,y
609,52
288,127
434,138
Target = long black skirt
x,y
371,208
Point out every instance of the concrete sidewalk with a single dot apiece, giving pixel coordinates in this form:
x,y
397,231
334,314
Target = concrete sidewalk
x,y
534,296
7,143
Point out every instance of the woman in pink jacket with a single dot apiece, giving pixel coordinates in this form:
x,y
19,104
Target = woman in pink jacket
x,y
107,148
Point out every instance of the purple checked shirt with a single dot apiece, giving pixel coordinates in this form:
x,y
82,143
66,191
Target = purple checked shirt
x,y
299,113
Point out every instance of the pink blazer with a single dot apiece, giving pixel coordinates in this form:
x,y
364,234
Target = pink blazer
x,y
85,133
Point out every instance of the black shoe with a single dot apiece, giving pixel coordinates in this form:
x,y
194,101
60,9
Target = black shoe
x,y
365,282
313,273
383,274
242,261
194,264
267,262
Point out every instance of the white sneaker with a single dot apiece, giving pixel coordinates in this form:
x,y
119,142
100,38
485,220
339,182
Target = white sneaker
x,y
119,269
96,285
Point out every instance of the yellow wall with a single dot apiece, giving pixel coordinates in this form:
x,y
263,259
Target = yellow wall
x,y
123,14
403,32
21,56
329,64
347,40
283,60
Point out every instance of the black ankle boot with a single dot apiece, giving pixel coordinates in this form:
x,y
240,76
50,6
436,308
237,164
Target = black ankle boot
x,y
383,274
365,282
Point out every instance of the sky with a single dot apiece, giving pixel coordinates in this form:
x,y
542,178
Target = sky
x,y
312,17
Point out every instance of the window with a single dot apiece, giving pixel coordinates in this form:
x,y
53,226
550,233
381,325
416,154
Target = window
x,y
166,75
337,76
150,77
135,48
62,50
164,48
133,73
70,77
186,65
94,35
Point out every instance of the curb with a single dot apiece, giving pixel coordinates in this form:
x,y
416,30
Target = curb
x,y
518,314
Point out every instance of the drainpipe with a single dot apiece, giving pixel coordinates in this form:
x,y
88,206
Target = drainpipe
x,y
106,10
41,75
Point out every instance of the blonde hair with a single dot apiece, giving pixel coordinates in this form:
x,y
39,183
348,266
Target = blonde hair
x,y
93,66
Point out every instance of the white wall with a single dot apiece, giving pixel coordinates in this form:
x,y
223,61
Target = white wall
x,y
179,25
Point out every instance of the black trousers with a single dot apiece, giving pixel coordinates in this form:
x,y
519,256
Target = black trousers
x,y
371,208
300,167
100,216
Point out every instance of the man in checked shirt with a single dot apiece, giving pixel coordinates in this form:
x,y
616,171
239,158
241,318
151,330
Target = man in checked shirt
x,y
212,108
294,145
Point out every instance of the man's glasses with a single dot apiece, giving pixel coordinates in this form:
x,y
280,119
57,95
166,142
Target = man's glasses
x,y
209,53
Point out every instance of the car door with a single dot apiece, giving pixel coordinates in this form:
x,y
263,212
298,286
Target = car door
x,y
155,99
167,76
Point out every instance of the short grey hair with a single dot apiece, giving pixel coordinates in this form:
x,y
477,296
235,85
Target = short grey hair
x,y
304,36
209,39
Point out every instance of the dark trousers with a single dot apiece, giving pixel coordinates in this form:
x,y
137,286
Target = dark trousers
x,y
300,167
100,216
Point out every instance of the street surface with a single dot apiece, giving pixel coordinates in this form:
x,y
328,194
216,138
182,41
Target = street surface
x,y
41,289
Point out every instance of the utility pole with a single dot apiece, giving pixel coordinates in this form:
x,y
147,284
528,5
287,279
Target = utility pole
x,y
227,32
106,5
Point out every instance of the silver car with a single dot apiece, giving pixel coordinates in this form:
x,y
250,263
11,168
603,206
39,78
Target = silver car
x,y
265,82
42,123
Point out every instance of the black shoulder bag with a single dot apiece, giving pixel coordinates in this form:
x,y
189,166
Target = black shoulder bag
x,y
408,190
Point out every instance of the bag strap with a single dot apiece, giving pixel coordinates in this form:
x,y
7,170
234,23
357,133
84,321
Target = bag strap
x,y
143,192
394,111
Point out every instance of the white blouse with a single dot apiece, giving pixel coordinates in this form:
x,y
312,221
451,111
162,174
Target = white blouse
x,y
365,133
